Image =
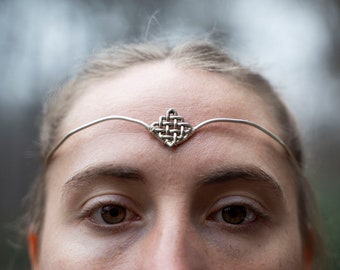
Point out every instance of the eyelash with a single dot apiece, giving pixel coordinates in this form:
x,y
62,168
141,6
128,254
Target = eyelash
x,y
254,214
95,208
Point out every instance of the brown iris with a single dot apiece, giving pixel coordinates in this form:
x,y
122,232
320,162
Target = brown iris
x,y
234,214
113,214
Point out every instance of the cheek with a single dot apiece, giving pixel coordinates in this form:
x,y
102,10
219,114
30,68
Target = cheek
x,y
273,250
75,249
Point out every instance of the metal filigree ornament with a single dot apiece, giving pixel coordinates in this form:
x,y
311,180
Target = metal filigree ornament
x,y
171,129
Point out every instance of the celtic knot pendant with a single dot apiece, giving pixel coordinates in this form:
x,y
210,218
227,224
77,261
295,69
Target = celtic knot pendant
x,y
171,129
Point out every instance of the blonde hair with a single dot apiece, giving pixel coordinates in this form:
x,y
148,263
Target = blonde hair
x,y
193,55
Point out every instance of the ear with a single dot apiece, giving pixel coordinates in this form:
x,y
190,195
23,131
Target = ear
x,y
33,250
309,248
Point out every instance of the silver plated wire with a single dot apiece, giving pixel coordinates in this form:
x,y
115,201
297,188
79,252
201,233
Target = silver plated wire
x,y
171,129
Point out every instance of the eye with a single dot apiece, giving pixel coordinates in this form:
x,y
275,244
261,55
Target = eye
x,y
235,214
113,214
236,211
110,211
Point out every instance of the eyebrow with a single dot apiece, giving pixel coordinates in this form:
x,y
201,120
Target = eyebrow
x,y
87,175
245,173
252,174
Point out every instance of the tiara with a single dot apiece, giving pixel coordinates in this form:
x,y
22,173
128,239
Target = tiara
x,y
171,129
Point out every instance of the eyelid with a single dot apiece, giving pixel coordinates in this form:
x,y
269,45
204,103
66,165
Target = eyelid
x,y
95,204
248,203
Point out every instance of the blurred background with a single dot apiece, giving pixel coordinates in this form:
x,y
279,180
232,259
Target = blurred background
x,y
294,43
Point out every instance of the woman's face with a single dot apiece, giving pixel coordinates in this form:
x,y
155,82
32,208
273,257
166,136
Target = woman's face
x,y
119,199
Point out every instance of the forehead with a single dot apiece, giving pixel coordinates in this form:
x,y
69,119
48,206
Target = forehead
x,y
146,91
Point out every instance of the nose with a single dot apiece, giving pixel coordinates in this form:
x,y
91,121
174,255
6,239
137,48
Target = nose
x,y
174,242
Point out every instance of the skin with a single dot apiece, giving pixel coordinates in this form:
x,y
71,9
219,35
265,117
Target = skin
x,y
173,196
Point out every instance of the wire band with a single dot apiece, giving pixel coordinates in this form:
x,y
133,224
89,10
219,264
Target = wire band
x,y
171,129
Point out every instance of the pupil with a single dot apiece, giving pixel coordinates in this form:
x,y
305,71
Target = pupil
x,y
113,214
234,214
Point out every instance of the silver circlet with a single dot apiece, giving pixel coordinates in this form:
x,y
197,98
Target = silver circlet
x,y
171,129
